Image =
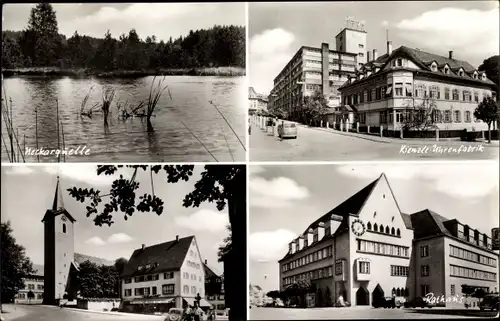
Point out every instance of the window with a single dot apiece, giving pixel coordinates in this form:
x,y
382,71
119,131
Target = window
x,y
375,227
456,116
388,92
381,230
434,92
467,95
153,290
64,228
373,94
186,289
467,116
420,90
476,96
397,270
424,270
361,54
31,286
364,267
393,231
446,70
447,93
461,73
398,89
382,248
455,94
168,275
399,117
338,268
128,292
447,116
369,226
193,290
361,46
424,250
398,232
437,116
400,62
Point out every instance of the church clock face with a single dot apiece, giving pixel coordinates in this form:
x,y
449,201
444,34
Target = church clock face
x,y
63,218
358,227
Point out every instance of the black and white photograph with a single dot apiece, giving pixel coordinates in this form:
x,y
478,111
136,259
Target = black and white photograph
x,y
124,82
123,242
373,241
376,80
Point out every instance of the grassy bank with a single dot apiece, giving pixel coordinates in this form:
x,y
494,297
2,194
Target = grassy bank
x,y
54,71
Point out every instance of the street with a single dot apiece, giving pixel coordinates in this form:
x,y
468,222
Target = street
x,y
50,313
352,313
317,144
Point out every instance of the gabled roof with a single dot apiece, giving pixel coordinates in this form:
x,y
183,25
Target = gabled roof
x,y
163,257
209,273
427,223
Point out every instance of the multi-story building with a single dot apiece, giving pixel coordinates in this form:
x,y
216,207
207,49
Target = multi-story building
x,y
312,69
366,249
256,101
387,88
165,275
214,289
34,284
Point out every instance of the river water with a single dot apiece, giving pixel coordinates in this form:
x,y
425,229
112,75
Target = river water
x,y
184,121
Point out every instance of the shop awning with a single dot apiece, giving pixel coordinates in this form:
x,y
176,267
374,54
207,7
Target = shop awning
x,y
153,301
189,301
204,304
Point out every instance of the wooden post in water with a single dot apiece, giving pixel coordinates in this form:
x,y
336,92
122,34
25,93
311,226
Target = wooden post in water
x,y
58,134
36,133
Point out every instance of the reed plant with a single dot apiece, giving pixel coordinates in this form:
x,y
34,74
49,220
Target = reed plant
x,y
12,147
107,98
155,93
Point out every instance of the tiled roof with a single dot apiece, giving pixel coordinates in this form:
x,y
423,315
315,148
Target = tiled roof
x,y
407,220
424,60
163,257
427,223
209,273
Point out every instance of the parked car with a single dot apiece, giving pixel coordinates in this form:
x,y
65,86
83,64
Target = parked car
x,y
287,130
174,314
490,302
419,302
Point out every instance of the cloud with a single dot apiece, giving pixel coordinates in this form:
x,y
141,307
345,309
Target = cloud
x,y
81,172
96,240
256,169
277,192
457,180
19,170
385,23
204,220
119,238
471,33
270,51
270,245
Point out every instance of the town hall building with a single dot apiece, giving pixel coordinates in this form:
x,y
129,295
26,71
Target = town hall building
x,y
366,249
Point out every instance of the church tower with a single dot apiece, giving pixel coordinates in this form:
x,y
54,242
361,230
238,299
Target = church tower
x,y
58,249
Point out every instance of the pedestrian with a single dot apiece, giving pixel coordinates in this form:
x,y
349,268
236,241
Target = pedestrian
x,y
198,312
188,314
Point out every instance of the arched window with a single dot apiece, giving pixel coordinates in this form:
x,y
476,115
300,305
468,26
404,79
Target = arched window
x,y
64,228
398,232
434,92
455,95
375,227
393,291
369,226
381,228
186,289
398,292
393,231
387,230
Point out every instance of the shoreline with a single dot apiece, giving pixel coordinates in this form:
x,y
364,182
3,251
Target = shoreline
x,y
82,72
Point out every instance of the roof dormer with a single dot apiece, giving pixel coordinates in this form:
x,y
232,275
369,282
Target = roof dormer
x,y
483,76
446,69
461,72
434,66
475,74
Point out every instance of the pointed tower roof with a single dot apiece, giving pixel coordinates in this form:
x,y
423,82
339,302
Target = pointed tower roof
x,y
58,205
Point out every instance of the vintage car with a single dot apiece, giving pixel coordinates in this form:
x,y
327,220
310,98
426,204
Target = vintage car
x,y
174,314
287,130
490,302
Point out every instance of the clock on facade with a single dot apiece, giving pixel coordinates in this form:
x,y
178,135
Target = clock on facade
x,y
63,218
358,227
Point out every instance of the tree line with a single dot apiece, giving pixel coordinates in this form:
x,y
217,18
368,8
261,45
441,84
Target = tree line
x,y
41,45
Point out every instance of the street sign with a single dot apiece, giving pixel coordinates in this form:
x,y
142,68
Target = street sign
x,y
495,239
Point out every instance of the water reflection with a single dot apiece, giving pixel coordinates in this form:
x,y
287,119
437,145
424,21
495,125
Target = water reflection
x,y
131,139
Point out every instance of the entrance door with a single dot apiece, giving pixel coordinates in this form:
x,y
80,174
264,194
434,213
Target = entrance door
x,y
378,297
362,296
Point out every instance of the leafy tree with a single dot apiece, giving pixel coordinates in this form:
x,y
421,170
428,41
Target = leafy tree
x,y
15,264
467,290
275,294
43,24
492,68
119,266
479,293
97,281
314,107
419,114
488,111
226,245
224,185
31,296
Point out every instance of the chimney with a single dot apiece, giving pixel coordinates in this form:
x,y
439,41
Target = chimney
x,y
143,246
205,261
367,56
321,231
177,238
310,235
389,47
375,54
301,242
450,54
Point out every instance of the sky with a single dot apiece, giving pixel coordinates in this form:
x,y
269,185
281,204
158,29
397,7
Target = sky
x,y
164,20
278,30
28,191
285,199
